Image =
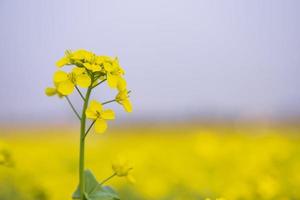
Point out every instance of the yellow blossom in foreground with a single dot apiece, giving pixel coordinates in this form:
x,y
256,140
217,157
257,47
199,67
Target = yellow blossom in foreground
x,y
95,111
66,82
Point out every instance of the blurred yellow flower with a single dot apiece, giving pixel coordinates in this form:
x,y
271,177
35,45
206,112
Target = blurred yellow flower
x,y
66,82
122,168
95,111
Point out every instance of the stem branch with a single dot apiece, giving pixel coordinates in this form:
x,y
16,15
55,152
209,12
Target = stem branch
x,y
81,95
91,125
107,179
99,83
110,101
73,108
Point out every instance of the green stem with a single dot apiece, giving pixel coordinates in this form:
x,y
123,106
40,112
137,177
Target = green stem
x,y
99,83
82,143
81,95
106,102
73,108
107,179
91,125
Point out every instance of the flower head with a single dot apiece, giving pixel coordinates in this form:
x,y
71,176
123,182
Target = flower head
x,y
96,112
123,99
65,82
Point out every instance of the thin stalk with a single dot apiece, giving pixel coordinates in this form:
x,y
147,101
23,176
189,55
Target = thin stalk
x,y
82,143
73,108
107,179
110,101
81,95
89,128
99,83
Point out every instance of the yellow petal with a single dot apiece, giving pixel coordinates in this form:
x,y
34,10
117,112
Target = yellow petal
x,y
91,114
108,114
100,126
82,54
117,66
62,62
92,67
50,91
83,80
95,106
130,179
78,70
122,95
121,166
108,67
66,87
100,60
112,80
127,105
60,76
121,84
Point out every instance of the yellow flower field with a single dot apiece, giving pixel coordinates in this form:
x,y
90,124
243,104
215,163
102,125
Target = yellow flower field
x,y
170,163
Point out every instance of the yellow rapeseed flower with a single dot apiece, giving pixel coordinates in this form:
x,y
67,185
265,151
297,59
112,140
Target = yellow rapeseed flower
x,y
95,111
114,73
66,82
123,99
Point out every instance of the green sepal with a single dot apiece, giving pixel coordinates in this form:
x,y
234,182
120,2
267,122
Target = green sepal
x,y
94,191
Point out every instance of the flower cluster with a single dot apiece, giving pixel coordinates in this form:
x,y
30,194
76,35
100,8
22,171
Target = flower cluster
x,y
90,70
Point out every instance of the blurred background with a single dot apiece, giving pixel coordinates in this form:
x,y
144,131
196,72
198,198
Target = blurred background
x,y
215,93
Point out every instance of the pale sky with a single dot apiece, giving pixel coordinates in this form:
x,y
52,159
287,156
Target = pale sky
x,y
182,58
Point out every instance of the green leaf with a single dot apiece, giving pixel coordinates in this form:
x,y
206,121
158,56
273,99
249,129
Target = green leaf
x,y
94,191
90,181
76,194
104,193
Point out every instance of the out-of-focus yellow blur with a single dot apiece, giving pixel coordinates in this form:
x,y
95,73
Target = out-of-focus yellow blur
x,y
181,163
